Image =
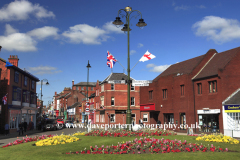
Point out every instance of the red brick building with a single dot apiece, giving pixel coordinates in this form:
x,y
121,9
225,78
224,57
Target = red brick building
x,y
20,88
111,100
194,90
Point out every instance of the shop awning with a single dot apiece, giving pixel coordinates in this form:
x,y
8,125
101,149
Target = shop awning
x,y
147,107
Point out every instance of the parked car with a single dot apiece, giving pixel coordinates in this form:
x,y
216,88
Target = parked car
x,y
50,124
60,123
69,124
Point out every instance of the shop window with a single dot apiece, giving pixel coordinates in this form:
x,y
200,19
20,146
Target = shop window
x,y
212,86
97,117
169,118
112,101
25,81
112,117
112,87
17,94
132,101
16,77
145,117
150,94
199,85
182,90
164,93
102,118
15,118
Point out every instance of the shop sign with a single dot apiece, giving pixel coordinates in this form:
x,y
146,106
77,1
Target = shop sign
x,y
231,108
147,107
209,111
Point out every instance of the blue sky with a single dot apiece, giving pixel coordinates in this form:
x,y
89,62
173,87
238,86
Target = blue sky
x,y
55,39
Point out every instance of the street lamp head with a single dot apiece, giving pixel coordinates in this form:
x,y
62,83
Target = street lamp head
x,y
47,83
125,28
0,48
88,66
128,9
117,22
141,23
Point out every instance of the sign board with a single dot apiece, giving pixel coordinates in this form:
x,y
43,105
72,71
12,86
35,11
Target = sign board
x,y
87,109
141,81
147,107
231,108
117,81
140,84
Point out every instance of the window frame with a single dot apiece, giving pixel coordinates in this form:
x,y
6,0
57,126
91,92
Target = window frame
x,y
112,87
16,76
199,87
182,89
112,101
132,88
114,118
33,84
132,101
25,80
147,117
150,94
165,94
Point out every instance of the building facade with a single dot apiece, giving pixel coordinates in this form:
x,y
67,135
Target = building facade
x,y
193,91
111,100
21,94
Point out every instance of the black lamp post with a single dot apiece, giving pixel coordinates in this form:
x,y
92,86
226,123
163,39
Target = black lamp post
x,y
128,11
88,66
42,95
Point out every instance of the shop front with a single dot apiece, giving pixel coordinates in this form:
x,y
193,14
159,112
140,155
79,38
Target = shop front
x,y
208,120
231,120
148,113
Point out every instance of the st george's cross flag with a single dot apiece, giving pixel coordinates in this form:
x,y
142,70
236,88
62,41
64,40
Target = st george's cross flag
x,y
147,56
110,60
4,99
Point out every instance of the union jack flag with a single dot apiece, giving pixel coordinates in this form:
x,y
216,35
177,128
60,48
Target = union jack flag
x,y
4,99
110,60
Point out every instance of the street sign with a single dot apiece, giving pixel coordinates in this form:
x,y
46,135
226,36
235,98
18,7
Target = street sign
x,y
140,84
87,109
117,81
141,81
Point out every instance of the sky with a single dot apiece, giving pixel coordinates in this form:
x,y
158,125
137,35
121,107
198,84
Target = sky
x,y
55,39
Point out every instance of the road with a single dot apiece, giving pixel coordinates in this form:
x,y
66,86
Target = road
x,y
4,140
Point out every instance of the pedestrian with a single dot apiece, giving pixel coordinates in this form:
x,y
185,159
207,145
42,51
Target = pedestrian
x,y
133,121
20,128
25,126
6,129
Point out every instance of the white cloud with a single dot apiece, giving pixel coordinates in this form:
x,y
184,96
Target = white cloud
x,y
40,70
218,29
109,27
140,45
156,68
44,32
14,41
10,29
83,33
22,10
132,52
182,7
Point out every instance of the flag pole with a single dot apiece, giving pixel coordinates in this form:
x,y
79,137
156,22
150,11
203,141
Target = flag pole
x,y
135,65
121,65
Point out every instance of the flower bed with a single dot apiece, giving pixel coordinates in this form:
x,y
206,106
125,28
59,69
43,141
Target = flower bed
x,y
79,134
124,133
28,139
62,139
149,145
217,138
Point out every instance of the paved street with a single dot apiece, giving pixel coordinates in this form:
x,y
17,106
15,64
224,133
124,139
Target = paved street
x,y
4,140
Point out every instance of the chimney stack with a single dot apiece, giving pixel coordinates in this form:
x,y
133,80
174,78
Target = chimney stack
x,y
14,60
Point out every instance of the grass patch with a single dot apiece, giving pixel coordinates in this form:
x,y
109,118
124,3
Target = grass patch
x,y
27,151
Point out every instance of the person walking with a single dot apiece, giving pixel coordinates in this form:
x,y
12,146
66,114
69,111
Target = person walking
x,y
25,126
20,128
6,129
